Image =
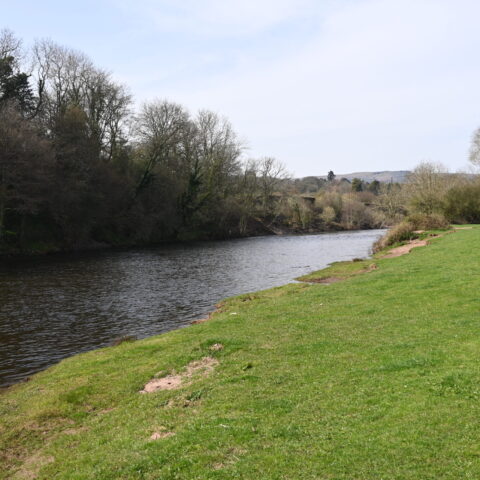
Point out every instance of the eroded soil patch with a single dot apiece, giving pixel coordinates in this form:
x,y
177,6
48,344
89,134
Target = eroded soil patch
x,y
32,466
161,435
218,309
326,281
171,382
404,249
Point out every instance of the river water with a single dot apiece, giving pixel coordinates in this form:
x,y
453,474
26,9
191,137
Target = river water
x,y
55,306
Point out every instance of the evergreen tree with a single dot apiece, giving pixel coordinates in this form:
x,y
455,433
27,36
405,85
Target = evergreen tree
x,y
357,185
15,86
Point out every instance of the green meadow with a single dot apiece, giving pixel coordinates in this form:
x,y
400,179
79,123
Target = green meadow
x,y
375,376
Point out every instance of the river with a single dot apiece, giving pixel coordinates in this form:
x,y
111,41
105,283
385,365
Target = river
x,y
55,306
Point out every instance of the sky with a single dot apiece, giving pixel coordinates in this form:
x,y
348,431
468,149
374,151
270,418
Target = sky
x,y
342,85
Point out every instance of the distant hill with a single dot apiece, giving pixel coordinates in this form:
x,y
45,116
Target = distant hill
x,y
398,176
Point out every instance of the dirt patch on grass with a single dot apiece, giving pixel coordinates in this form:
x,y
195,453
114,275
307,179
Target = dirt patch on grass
x,y
326,280
463,228
32,466
230,457
404,249
201,320
106,410
161,435
75,431
171,382
218,308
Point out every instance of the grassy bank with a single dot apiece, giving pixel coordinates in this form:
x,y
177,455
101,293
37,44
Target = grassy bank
x,y
372,377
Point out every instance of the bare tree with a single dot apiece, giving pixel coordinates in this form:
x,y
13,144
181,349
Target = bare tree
x,y
107,105
474,155
161,130
426,186
11,46
65,77
219,149
390,203
271,174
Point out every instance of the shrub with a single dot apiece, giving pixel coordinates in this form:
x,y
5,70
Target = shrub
x,y
433,221
399,233
462,203
356,214
328,215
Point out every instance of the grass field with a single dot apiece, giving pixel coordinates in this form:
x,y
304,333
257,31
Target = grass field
x,y
373,377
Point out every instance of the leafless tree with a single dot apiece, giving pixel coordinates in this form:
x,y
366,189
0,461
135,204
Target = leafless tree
x,y
271,174
219,149
426,186
390,203
11,46
161,129
65,77
474,155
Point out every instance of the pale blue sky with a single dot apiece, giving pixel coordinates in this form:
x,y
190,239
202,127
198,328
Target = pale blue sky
x,y
348,85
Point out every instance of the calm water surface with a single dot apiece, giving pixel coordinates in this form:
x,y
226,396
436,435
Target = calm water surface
x,y
54,307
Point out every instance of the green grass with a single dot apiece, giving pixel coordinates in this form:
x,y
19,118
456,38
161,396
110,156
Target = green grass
x,y
340,271
375,377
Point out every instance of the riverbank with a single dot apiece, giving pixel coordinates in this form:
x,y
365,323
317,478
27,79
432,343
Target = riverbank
x,y
375,376
255,228
53,307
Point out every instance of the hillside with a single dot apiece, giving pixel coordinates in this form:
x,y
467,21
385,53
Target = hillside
x,y
398,176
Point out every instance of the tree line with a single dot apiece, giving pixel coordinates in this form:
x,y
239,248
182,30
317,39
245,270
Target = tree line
x,y
80,167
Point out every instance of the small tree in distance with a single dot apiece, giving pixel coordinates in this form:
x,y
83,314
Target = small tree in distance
x,y
330,176
474,155
357,185
374,187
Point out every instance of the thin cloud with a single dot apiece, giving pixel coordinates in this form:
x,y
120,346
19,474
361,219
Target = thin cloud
x,y
217,18
373,87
